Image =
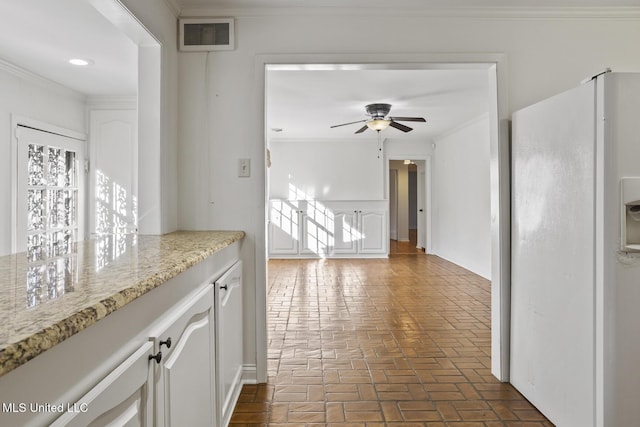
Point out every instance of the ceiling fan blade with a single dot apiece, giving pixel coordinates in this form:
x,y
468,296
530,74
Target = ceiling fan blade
x,y
350,123
408,119
362,129
399,126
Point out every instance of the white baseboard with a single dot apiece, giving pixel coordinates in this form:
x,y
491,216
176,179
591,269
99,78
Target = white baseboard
x,y
249,374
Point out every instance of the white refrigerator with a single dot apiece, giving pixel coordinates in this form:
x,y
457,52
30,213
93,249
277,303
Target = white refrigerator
x,y
575,296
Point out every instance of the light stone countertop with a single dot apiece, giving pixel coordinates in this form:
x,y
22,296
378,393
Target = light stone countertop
x,y
45,302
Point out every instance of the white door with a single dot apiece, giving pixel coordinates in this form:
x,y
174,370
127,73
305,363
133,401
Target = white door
x,y
345,232
113,189
124,398
422,214
50,204
229,333
284,228
373,232
552,286
185,394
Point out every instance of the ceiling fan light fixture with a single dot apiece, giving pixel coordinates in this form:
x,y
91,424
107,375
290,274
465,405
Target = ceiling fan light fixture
x,y
378,124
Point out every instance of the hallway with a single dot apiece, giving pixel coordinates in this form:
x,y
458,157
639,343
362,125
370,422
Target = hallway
x,y
385,342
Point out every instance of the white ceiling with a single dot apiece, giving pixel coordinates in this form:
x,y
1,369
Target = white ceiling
x,y
306,103
42,35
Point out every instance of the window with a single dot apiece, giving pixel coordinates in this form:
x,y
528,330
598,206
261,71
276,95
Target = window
x,y
49,210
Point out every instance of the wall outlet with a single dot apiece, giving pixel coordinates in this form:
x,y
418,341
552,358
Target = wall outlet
x,y
244,167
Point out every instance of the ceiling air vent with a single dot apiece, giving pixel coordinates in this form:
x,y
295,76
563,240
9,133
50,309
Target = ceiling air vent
x,y
205,34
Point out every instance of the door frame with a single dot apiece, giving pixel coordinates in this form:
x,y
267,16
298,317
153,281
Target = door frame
x,y
426,197
393,204
496,65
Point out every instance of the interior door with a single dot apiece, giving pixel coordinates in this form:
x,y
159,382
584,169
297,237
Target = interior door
x,y
229,345
552,286
50,198
113,189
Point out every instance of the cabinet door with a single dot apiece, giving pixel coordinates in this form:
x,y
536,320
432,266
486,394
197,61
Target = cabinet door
x,y
284,228
122,398
229,334
373,229
185,376
345,232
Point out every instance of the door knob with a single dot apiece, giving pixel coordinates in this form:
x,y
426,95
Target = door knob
x,y
157,357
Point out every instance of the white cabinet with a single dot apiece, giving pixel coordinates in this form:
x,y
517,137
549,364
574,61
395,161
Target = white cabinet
x,y
229,344
310,228
184,365
298,228
122,398
284,227
345,232
372,226
360,231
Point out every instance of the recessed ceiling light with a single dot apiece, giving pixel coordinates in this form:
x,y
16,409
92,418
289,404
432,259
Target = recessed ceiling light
x,y
81,62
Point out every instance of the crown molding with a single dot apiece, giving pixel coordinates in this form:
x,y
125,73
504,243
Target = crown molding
x,y
175,6
37,79
493,13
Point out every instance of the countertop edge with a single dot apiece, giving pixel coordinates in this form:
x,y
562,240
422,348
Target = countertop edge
x,y
17,354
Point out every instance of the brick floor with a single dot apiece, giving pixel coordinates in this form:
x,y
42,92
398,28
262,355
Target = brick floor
x,y
403,341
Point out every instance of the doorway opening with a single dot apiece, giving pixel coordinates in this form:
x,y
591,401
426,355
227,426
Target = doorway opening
x,y
407,213
396,149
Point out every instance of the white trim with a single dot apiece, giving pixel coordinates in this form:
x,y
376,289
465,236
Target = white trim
x,y
624,13
428,187
500,176
175,6
249,374
122,18
37,79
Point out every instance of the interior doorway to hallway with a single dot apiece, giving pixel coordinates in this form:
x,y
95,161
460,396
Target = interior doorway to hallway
x,y
407,194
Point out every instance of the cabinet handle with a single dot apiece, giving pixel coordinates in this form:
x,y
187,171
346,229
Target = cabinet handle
x,y
166,342
225,287
157,357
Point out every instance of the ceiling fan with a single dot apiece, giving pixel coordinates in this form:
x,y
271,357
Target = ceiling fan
x,y
379,121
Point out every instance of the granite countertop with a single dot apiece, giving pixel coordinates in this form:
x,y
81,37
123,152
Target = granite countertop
x,y
44,302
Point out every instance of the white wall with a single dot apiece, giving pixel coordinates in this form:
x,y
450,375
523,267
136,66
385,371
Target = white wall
x,y
222,96
29,96
326,170
462,210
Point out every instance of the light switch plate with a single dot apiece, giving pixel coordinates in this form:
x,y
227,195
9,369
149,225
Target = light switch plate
x,y
244,167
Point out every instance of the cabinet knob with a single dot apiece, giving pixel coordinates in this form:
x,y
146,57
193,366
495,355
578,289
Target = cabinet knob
x,y
157,357
225,287
166,342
